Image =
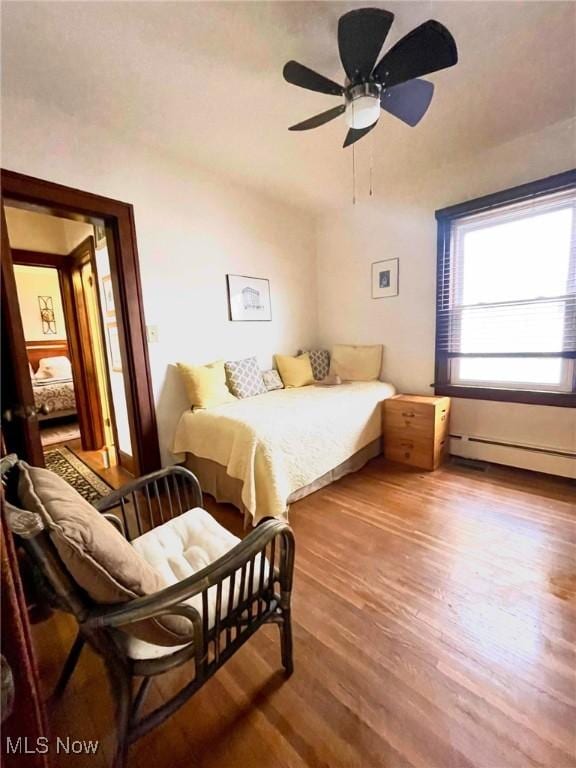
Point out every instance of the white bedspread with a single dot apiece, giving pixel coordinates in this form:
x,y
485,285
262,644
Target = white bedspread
x,y
281,441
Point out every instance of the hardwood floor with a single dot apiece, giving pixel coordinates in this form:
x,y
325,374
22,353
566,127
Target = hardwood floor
x,y
434,627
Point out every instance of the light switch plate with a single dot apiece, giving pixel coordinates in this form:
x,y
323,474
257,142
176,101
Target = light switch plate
x,y
152,334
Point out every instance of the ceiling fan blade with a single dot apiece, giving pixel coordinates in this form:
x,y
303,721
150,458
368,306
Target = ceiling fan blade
x,y
408,101
428,48
356,133
298,74
361,34
317,120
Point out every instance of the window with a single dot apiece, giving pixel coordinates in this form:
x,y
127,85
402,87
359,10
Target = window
x,y
506,301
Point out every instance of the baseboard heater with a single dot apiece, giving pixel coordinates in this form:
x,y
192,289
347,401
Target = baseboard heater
x,y
537,458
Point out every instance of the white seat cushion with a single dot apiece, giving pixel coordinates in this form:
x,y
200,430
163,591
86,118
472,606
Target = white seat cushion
x,y
178,549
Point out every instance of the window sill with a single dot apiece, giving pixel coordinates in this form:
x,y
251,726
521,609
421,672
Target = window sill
x,y
530,397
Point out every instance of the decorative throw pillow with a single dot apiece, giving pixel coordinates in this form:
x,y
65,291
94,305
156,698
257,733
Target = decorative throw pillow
x,y
206,384
96,555
295,371
272,380
320,362
245,378
356,363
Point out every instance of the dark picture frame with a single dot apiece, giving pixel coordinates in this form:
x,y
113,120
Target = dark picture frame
x,y
249,299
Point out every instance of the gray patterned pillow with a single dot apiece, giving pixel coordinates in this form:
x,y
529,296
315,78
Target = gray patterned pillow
x,y
272,380
245,378
320,362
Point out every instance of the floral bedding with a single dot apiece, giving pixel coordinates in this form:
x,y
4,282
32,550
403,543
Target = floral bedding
x,y
56,394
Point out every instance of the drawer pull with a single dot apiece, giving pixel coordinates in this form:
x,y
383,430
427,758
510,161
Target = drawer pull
x,y
408,414
406,444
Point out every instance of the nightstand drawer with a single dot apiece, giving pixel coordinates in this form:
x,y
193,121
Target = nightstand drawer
x,y
417,452
411,420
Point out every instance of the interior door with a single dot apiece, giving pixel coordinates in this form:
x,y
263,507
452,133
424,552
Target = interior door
x,y
96,421
20,430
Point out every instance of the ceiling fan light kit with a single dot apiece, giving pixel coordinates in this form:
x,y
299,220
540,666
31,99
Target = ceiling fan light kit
x,y
392,84
362,105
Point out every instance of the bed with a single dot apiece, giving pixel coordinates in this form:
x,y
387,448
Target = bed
x,y
265,452
52,382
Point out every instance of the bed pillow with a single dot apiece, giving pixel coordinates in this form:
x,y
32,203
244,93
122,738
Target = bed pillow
x,y
206,384
54,368
320,362
295,371
356,363
272,380
245,378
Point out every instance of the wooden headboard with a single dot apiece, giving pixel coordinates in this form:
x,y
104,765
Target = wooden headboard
x,y
36,350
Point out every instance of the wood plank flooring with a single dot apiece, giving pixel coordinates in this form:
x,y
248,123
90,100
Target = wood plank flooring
x,y
434,623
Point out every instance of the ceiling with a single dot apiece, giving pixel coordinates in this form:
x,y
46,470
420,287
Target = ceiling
x,y
203,82
34,231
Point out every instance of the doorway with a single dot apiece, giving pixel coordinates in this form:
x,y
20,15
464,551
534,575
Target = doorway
x,y
88,322
62,275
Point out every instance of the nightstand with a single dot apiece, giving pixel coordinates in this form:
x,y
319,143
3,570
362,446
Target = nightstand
x,y
415,430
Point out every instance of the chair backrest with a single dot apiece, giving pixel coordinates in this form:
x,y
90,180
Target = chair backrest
x,y
49,572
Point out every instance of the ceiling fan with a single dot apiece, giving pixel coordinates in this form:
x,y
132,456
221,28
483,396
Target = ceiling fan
x,y
391,85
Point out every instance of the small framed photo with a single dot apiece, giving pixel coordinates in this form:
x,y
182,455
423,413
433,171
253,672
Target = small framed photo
x,y
114,347
385,279
248,298
99,236
109,307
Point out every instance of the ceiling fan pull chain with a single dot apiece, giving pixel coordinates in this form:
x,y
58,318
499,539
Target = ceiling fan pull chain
x,y
371,162
353,175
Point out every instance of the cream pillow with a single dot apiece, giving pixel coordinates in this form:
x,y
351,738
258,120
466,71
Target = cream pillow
x,y
356,363
295,371
206,384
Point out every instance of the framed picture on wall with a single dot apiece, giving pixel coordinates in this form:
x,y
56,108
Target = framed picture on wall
x,y
248,298
114,347
99,236
385,279
109,307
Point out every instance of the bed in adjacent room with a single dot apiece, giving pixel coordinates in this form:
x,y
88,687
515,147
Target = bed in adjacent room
x,y
52,383
263,453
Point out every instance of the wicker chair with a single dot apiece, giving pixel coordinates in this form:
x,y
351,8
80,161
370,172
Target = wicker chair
x,y
264,558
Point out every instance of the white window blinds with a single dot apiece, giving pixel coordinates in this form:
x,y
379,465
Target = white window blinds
x,y
508,289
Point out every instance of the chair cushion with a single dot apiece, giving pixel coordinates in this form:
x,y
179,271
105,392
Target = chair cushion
x,y
180,548
97,556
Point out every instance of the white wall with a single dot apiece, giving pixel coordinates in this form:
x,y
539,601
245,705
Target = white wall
x,y
32,282
192,229
399,222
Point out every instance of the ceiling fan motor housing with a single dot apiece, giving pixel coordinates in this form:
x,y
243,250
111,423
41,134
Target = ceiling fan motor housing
x,y
362,104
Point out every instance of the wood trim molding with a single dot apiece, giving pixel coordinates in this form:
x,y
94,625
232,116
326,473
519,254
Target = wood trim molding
x,y
526,396
550,184
123,253
38,259
444,217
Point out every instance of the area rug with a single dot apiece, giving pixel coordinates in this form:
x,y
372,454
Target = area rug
x,y
60,433
65,463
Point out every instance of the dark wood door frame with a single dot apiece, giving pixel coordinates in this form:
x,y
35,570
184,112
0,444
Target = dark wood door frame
x,y
66,202
19,425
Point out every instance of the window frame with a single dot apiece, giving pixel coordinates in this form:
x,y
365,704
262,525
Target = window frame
x,y
443,385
